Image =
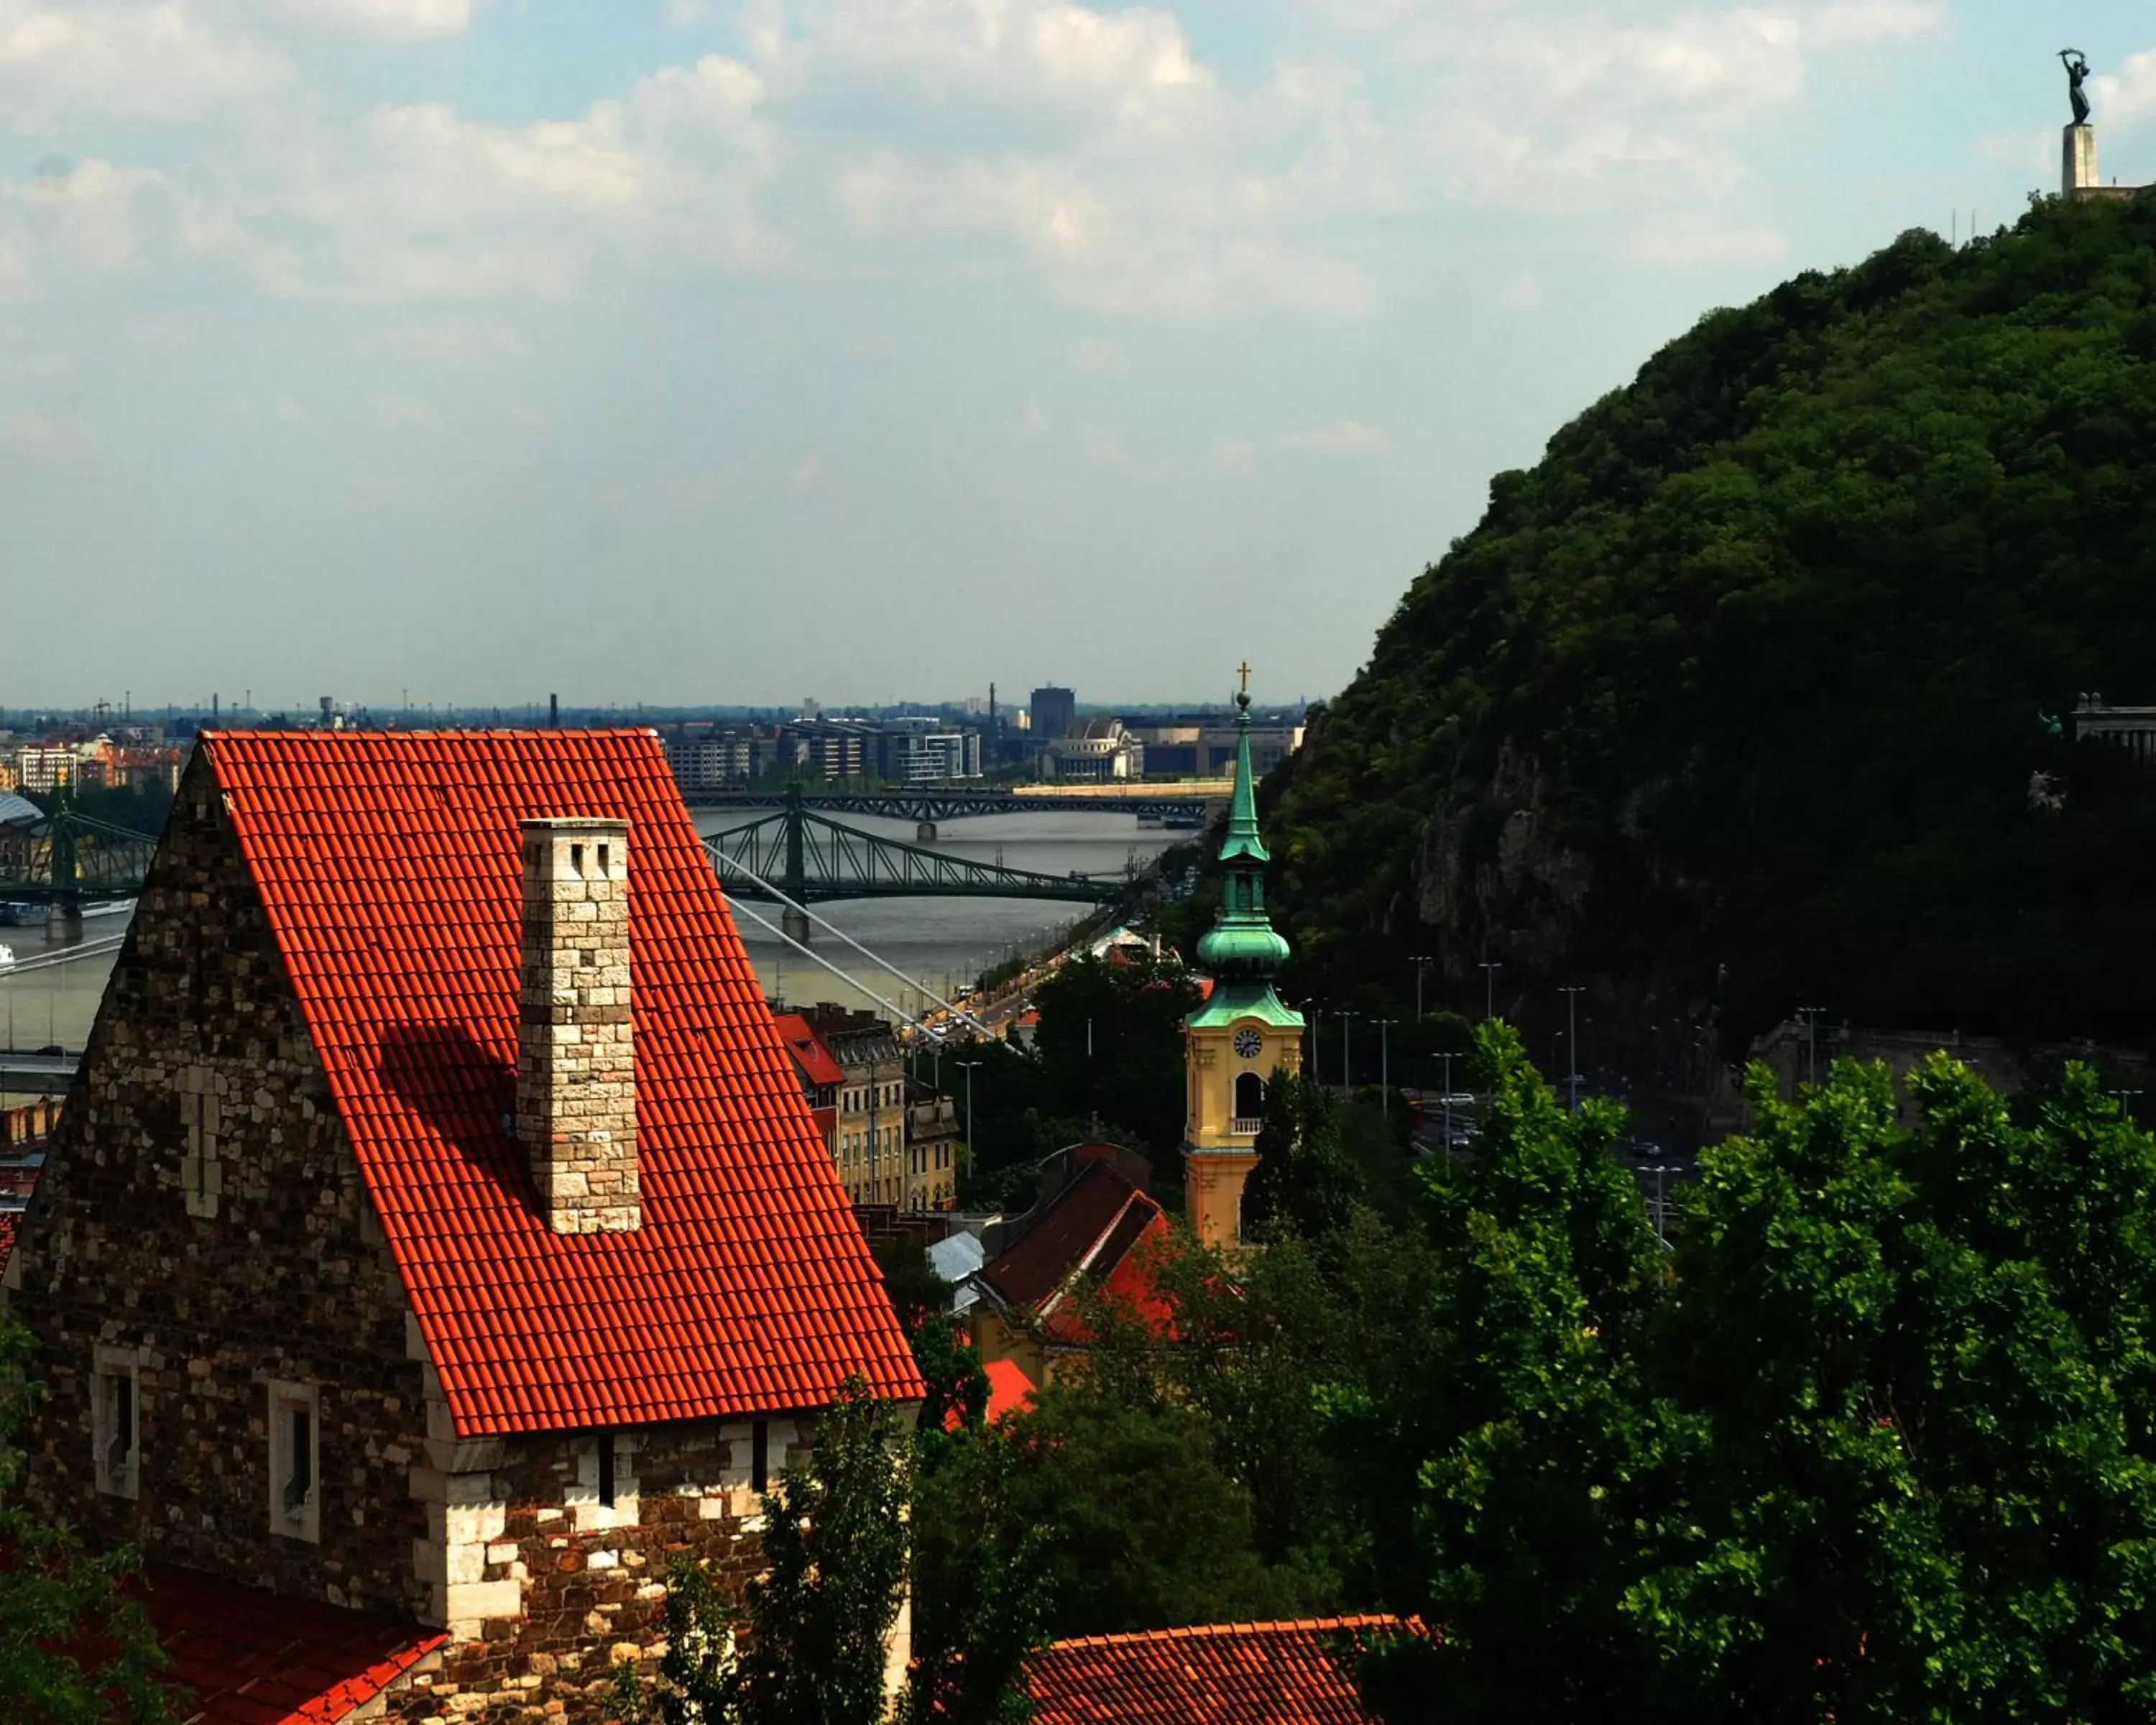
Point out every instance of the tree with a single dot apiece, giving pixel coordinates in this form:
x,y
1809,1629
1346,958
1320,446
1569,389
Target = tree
x,y
76,1647
816,1626
1876,1441
1305,1181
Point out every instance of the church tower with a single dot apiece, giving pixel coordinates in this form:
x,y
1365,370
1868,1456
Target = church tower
x,y
1243,1034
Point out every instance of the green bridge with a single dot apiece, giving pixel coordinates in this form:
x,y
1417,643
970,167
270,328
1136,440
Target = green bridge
x,y
807,857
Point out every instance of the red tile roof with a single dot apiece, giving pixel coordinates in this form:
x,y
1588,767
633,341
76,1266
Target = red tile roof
x,y
10,1220
1010,1391
389,865
253,1658
808,1050
1094,1226
1220,1674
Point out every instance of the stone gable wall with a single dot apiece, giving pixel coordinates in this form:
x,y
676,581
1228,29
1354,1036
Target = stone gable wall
x,y
202,1212
546,1588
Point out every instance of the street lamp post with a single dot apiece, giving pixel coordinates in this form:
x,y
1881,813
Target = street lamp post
x,y
1445,1101
1421,963
1347,1078
1572,1043
1385,1064
1809,1015
1489,967
969,1065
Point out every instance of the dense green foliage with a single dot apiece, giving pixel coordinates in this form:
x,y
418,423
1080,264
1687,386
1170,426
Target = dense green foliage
x,y
1763,648
1106,1065
1874,1439
1878,1441
76,1647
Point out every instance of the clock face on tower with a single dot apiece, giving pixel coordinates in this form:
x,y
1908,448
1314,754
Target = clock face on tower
x,y
1248,1043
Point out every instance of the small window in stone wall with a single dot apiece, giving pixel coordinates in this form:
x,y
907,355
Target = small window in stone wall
x,y
759,1456
115,1422
606,1469
201,1171
295,1460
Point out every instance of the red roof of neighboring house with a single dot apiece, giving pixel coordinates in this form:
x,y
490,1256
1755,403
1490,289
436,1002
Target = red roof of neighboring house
x,y
1218,1674
1010,1391
389,865
1094,1226
255,1658
10,1220
808,1050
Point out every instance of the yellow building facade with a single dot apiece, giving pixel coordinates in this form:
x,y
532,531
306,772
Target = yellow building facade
x,y
1244,1034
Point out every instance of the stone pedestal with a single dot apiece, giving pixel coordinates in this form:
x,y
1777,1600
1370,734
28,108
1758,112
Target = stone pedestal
x,y
64,924
794,922
2078,168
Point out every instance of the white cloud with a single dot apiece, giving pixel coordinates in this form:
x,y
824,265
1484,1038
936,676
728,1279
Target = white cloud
x,y
391,21
1101,359
2128,94
1344,437
423,205
1671,239
455,343
393,413
1230,455
27,433
1031,421
63,68
78,225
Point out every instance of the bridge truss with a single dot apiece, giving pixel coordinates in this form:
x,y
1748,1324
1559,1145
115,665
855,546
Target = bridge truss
x,y
810,858
928,806
68,860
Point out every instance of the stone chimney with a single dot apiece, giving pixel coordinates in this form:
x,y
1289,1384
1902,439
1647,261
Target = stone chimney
x,y
575,1053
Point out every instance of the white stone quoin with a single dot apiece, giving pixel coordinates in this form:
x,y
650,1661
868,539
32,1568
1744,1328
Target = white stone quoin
x,y
2079,163
575,1053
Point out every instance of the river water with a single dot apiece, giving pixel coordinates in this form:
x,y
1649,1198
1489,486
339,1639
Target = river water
x,y
937,943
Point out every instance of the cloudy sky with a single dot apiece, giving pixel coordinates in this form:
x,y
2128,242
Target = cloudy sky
x,y
690,350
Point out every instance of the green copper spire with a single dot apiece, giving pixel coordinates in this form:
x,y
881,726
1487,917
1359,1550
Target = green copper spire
x,y
1242,942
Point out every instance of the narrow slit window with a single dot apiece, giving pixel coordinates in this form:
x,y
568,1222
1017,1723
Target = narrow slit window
x,y
606,1469
577,859
606,853
120,1454
759,1455
300,1475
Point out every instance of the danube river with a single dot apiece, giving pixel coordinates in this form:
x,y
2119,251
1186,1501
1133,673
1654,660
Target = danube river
x,y
936,942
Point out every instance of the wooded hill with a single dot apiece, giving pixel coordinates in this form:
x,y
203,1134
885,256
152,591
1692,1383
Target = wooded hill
x,y
1741,688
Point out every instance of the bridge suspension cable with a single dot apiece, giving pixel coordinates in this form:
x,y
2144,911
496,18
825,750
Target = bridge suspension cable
x,y
101,949
846,976
876,958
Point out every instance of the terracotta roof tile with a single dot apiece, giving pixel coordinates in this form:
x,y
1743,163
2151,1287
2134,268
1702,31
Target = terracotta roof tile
x,y
1215,1674
248,1657
389,866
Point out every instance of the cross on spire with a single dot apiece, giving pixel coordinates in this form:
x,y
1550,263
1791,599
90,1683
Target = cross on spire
x,y
1243,670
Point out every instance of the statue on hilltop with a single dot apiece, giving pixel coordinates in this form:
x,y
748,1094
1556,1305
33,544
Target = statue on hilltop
x,y
2077,71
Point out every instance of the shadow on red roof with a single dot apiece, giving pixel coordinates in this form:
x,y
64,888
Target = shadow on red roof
x,y
1296,1673
389,866
255,1658
1096,1226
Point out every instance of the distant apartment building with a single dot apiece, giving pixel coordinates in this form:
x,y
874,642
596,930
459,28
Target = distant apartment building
x,y
833,750
706,758
48,767
1203,745
927,751
1054,713
1099,752
895,1141
933,1141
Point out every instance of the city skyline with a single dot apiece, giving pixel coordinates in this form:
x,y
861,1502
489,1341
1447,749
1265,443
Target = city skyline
x,y
637,353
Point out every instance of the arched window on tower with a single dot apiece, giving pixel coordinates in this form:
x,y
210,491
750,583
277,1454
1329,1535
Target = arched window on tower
x,y
1249,1102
